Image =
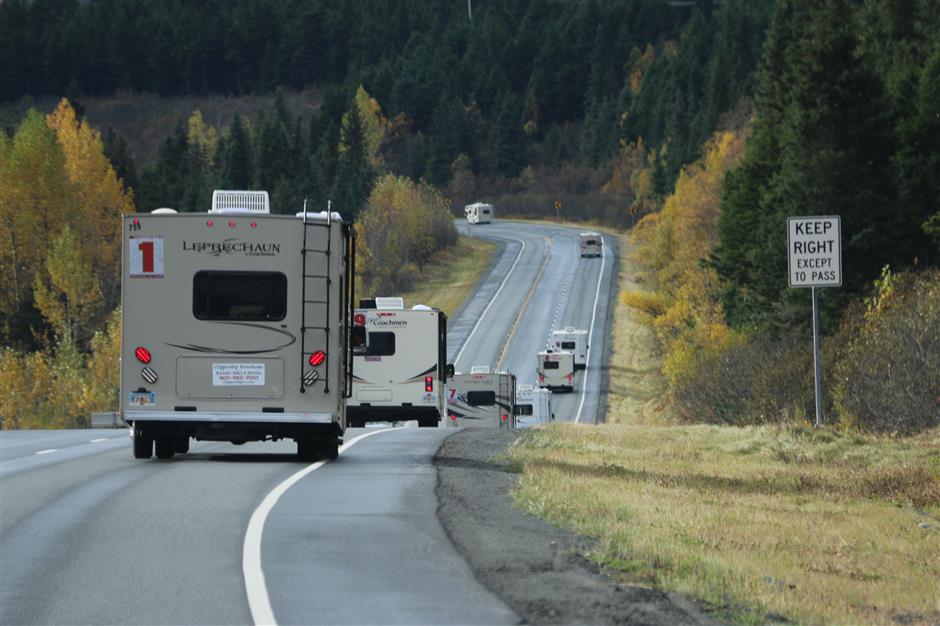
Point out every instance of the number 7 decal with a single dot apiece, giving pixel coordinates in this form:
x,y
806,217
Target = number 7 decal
x,y
146,257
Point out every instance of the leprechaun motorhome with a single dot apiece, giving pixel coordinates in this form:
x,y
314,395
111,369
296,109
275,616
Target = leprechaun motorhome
x,y
236,326
400,373
556,370
479,213
482,398
572,340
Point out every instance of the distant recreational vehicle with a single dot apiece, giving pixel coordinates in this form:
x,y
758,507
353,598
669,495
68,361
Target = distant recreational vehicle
x,y
235,326
479,213
572,340
401,370
534,404
592,244
556,370
482,399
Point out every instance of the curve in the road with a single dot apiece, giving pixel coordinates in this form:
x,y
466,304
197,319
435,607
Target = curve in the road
x,y
588,371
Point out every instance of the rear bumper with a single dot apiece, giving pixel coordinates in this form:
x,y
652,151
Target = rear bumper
x,y
207,416
391,413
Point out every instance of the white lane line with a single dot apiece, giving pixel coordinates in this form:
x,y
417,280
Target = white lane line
x,y
258,601
492,300
48,451
587,358
99,440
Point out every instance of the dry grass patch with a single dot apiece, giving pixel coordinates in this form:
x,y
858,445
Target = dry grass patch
x,y
817,526
449,276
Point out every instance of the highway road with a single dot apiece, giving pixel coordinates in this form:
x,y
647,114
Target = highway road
x,y
248,534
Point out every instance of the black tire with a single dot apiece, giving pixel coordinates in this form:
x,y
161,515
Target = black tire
x,y
329,451
182,445
306,450
165,447
143,445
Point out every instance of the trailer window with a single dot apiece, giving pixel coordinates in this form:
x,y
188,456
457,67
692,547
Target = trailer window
x,y
249,296
381,344
550,365
523,409
567,345
481,398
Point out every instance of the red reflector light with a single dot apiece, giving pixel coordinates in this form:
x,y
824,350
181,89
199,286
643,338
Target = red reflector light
x,y
136,221
210,223
254,224
231,224
428,383
317,357
142,354
505,417
359,319
453,417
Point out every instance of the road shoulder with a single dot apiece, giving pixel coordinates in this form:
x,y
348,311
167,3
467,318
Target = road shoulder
x,y
538,570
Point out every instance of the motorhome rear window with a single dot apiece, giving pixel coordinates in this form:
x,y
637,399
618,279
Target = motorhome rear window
x,y
481,398
550,365
523,409
381,344
248,296
567,345
590,242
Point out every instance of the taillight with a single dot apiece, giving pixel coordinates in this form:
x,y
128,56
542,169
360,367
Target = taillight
x,y
231,224
505,417
254,224
359,319
210,223
317,358
541,378
429,383
570,377
149,375
142,354
453,417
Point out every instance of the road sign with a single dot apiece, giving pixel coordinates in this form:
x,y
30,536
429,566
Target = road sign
x,y
814,251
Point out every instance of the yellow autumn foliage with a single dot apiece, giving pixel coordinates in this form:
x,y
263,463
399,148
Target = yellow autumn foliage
x,y
683,304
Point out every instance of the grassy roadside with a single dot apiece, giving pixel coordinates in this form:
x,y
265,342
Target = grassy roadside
x,y
815,526
450,275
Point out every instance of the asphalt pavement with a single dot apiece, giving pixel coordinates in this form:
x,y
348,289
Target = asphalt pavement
x,y
88,535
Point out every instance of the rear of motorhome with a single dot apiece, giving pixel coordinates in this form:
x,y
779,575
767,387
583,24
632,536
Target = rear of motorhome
x,y
401,371
479,213
571,339
556,370
484,399
236,326
533,405
592,244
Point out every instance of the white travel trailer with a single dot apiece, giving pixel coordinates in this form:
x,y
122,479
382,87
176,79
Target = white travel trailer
x,y
592,244
482,399
556,370
572,340
533,405
401,371
479,213
236,326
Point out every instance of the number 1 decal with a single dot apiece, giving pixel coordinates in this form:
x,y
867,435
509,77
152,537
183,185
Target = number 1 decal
x,y
146,257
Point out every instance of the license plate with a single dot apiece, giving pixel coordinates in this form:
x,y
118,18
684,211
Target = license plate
x,y
141,398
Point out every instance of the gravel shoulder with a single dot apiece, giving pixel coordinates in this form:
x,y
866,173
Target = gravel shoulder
x,y
538,570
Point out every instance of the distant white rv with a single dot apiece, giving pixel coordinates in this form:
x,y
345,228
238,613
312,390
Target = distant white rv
x,y
533,405
235,326
592,244
484,399
572,340
479,213
556,370
401,371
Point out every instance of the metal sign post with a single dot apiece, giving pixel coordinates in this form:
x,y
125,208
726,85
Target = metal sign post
x,y
814,257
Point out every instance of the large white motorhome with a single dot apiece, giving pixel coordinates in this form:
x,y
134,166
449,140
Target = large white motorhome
x,y
401,372
482,399
592,244
479,213
556,370
572,340
236,326
533,405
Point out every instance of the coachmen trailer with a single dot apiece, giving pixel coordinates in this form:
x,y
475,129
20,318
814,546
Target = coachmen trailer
x,y
572,340
533,405
479,213
592,244
236,326
556,370
401,372
482,399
